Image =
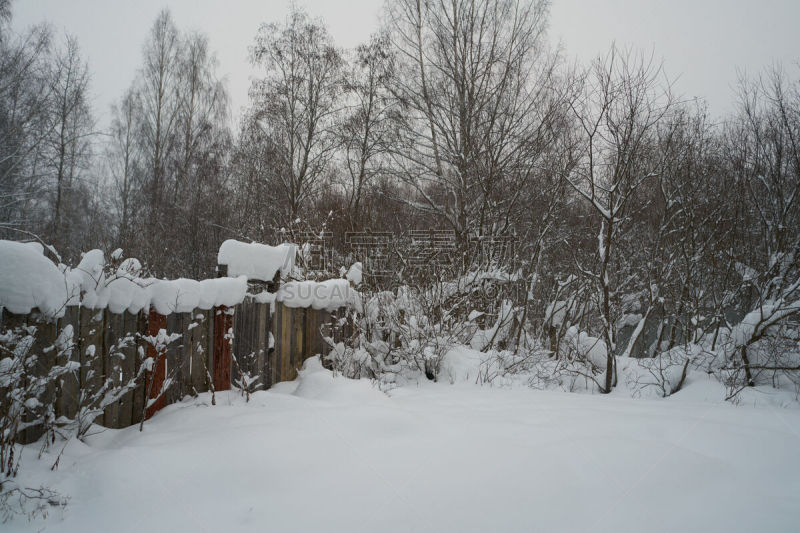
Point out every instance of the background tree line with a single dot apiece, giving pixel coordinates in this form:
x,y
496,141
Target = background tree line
x,y
459,114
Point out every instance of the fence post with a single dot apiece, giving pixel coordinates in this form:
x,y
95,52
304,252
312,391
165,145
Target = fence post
x,y
223,329
155,323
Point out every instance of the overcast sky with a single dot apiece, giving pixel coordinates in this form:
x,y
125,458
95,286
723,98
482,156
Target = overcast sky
x,y
702,42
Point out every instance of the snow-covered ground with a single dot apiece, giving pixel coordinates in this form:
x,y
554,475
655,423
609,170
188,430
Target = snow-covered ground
x,y
325,453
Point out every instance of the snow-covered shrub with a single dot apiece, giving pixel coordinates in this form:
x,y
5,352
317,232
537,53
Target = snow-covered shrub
x,y
244,380
398,333
28,392
28,388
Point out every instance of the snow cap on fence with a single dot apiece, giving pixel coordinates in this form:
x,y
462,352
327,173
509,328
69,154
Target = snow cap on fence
x,y
331,294
256,261
29,280
183,295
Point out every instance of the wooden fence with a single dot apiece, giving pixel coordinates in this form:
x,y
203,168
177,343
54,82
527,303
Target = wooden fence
x,y
245,344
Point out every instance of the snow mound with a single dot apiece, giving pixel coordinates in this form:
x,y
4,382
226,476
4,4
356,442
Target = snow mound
x,y
256,261
317,383
584,345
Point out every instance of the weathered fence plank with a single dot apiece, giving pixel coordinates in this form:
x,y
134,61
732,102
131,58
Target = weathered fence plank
x,y
155,378
127,348
298,340
46,333
223,324
112,362
173,357
91,346
141,352
262,341
286,344
275,354
199,351
67,401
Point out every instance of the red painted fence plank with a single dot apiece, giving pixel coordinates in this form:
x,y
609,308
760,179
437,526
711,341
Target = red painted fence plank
x,y
223,330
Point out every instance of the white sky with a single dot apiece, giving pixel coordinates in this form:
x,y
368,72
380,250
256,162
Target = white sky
x,y
702,42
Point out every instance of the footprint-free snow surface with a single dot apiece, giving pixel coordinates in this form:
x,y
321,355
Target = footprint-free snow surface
x,y
325,453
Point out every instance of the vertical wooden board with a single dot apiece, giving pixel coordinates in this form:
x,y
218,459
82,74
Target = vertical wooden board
x,y
276,324
210,323
223,325
274,357
298,339
46,332
157,376
67,400
141,352
286,344
221,354
127,366
173,325
10,323
46,335
182,362
239,349
261,337
91,336
191,351
112,362
269,337
199,351
252,335
185,371
243,357
237,345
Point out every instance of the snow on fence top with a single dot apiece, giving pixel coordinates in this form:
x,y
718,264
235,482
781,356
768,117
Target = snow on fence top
x,y
256,261
29,280
330,294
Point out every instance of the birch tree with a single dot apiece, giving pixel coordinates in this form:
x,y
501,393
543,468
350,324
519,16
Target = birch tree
x,y
296,104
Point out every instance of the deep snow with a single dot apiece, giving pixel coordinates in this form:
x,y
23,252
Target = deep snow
x,y
325,453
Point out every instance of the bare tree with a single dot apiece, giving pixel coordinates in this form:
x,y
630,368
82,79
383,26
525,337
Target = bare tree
x,y
617,119
158,92
25,124
123,161
168,154
69,144
476,88
296,104
764,147
365,131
